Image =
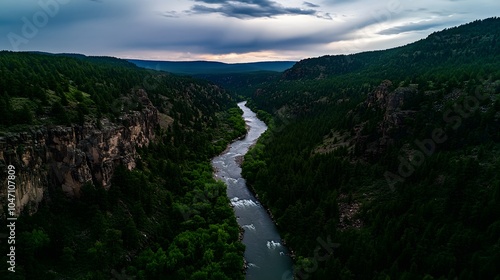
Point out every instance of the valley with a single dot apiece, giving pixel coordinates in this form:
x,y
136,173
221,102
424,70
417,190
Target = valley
x,y
373,165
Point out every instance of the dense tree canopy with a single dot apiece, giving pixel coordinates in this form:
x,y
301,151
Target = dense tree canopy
x,y
349,156
168,218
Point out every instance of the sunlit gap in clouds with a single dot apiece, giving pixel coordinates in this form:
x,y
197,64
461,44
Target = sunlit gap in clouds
x,y
227,58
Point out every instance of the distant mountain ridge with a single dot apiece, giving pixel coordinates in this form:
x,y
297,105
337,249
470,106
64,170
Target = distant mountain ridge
x,y
199,67
451,46
212,67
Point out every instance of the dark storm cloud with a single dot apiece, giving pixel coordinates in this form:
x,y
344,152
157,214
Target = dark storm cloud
x,y
212,40
190,29
246,9
205,44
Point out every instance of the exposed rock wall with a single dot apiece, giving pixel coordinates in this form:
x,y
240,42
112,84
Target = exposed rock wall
x,y
389,103
68,157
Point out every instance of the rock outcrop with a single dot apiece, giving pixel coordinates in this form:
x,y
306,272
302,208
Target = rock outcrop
x,y
69,156
388,121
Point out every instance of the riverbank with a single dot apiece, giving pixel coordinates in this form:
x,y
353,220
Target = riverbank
x,y
266,254
270,213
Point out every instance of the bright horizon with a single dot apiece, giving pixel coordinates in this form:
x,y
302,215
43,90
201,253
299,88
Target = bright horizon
x,y
229,31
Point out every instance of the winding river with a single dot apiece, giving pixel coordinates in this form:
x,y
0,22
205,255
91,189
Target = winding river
x,y
267,258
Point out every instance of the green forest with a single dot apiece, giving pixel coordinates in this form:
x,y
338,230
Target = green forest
x,y
166,217
393,155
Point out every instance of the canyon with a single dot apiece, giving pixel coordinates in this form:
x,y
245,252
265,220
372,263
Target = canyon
x,y
67,157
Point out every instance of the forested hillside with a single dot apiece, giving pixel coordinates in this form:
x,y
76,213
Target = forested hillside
x,y
393,155
241,85
168,216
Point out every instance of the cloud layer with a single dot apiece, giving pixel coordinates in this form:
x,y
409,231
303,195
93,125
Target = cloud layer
x,y
227,30
246,9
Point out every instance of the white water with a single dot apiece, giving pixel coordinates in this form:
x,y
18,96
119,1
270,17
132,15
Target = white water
x,y
267,258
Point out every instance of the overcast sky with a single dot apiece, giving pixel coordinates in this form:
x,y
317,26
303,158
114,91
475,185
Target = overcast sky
x,y
227,30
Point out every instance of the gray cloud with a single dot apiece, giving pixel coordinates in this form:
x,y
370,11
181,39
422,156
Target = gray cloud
x,y
410,27
247,9
171,14
324,15
164,30
311,5
223,38
202,41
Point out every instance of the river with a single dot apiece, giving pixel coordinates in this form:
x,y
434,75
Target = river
x,y
265,254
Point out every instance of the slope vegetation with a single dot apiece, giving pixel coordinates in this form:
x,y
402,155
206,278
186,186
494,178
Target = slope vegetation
x,y
392,156
164,215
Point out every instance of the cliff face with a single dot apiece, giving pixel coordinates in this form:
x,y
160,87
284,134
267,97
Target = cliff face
x,y
389,104
68,157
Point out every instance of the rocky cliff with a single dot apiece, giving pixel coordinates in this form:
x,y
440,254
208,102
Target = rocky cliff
x,y
69,156
387,118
